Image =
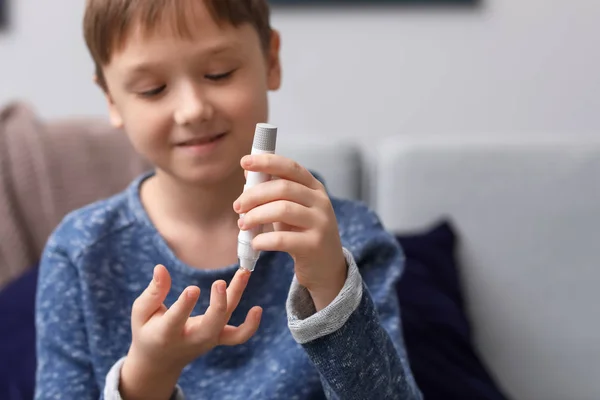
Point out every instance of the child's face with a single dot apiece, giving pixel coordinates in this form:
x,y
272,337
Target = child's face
x,y
167,91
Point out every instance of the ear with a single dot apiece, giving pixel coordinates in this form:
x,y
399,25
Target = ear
x,y
113,112
274,62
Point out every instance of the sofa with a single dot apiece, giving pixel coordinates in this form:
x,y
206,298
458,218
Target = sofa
x,y
525,212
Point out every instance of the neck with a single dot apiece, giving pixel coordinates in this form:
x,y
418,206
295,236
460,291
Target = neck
x,y
201,206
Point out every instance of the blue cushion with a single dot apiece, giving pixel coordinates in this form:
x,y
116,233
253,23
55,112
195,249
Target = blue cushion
x,y
17,338
436,328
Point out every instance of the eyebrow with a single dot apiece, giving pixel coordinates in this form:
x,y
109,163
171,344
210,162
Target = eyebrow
x,y
137,71
149,66
141,68
221,48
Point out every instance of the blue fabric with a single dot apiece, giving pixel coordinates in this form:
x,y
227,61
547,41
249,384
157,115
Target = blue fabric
x,y
17,337
436,328
101,258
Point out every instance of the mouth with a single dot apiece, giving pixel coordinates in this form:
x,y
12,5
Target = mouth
x,y
200,141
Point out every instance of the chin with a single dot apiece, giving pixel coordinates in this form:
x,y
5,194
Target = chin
x,y
210,175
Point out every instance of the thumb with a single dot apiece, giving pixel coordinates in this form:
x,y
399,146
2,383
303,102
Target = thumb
x,y
152,297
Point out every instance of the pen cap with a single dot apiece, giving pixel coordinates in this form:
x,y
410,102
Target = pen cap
x,y
265,137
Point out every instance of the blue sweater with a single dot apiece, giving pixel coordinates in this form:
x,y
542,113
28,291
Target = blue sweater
x,y
101,257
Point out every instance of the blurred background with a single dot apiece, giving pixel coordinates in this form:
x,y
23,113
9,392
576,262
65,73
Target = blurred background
x,y
473,130
501,68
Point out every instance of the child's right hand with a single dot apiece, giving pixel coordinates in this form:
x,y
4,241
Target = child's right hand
x,y
165,340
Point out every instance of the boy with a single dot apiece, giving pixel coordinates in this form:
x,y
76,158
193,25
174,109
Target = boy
x,y
188,81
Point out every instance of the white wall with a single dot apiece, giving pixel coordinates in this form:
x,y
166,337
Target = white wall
x,y
514,66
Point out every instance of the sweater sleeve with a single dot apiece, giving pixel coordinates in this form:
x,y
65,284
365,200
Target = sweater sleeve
x,y
111,389
64,367
356,342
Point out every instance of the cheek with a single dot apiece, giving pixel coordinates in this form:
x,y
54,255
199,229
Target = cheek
x,y
248,108
148,127
243,104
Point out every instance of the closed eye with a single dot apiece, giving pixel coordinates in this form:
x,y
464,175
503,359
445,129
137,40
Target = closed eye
x,y
220,77
153,92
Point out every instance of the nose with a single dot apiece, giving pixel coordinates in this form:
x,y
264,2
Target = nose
x,y
193,107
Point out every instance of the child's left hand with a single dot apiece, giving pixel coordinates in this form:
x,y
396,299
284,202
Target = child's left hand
x,y
304,224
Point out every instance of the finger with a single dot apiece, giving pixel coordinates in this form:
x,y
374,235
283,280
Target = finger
x,y
285,168
284,211
152,297
279,189
175,318
215,317
236,289
231,335
285,241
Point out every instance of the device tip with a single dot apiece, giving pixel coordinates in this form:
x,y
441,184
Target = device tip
x,y
247,264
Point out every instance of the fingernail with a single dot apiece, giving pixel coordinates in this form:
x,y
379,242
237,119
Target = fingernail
x,y
236,205
247,161
258,315
241,222
155,276
221,288
189,293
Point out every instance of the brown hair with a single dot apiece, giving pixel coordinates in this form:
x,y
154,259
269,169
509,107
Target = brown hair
x,y
107,23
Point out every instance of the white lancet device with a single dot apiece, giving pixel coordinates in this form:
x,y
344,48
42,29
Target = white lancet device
x,y
265,139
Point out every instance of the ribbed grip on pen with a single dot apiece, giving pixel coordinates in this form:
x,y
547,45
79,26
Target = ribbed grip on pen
x,y
265,137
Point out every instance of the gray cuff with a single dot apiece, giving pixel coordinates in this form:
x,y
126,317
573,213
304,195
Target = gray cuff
x,y
111,386
306,324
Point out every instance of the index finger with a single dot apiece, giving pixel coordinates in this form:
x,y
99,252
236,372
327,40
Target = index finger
x,y
236,290
281,167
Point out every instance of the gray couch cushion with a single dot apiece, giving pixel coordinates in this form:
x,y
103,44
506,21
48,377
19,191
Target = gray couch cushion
x,y
528,213
336,161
